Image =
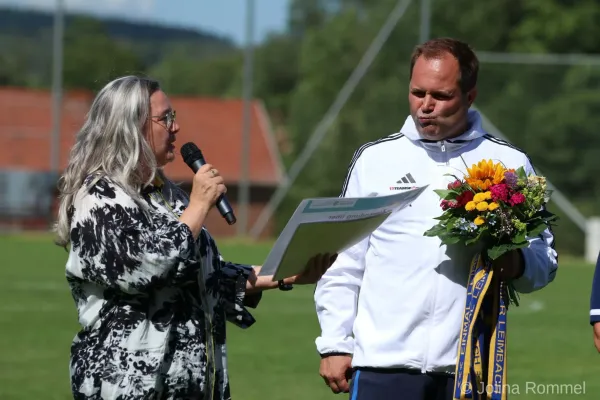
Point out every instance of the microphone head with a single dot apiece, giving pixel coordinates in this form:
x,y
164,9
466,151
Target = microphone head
x,y
190,153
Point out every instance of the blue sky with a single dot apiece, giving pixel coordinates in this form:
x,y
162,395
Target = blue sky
x,y
223,17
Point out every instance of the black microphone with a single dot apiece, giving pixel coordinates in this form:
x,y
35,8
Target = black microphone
x,y
193,157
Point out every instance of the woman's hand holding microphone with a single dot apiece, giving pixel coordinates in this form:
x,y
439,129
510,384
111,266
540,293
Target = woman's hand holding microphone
x,y
207,187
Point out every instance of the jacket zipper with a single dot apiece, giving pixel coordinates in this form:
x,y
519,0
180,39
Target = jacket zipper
x,y
443,146
433,300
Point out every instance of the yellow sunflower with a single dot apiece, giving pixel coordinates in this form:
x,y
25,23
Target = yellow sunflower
x,y
485,174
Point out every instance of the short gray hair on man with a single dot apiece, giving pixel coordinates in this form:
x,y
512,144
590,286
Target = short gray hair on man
x,y
110,143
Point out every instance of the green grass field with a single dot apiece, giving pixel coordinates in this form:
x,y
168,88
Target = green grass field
x,y
549,339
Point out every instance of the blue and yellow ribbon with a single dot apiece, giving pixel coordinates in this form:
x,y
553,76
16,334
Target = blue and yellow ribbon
x,y
481,366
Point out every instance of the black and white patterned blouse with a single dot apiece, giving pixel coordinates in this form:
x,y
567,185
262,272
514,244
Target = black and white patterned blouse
x,y
152,301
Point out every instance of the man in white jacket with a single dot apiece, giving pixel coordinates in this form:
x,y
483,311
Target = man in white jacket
x,y
390,308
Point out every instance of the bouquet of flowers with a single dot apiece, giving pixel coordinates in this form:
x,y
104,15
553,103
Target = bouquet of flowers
x,y
497,208
493,205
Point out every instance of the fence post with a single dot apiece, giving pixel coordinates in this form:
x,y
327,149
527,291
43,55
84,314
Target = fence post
x,y
592,239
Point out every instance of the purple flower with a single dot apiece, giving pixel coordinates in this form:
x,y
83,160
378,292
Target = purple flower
x,y
511,179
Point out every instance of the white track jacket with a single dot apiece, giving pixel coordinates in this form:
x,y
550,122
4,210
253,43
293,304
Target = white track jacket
x,y
396,299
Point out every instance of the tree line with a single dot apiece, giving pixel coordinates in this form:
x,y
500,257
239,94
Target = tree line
x,y
550,111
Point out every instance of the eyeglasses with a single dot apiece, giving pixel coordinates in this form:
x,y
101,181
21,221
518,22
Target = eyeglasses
x,y
168,118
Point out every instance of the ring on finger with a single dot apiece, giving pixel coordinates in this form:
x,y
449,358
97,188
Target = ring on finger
x,y
213,172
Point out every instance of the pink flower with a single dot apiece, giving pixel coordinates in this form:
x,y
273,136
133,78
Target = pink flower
x,y
446,204
455,185
499,192
516,199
